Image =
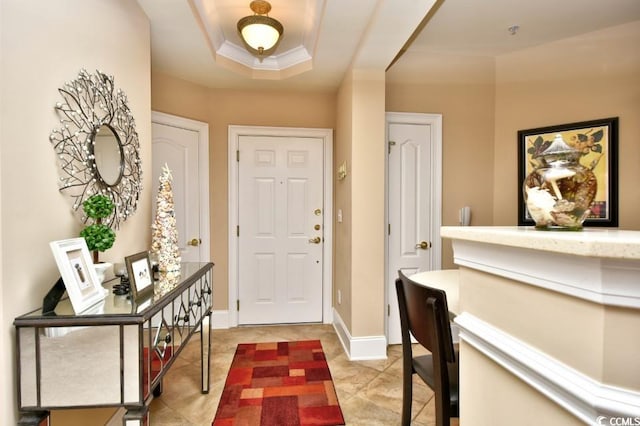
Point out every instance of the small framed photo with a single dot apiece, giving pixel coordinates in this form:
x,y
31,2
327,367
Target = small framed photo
x,y
140,274
76,268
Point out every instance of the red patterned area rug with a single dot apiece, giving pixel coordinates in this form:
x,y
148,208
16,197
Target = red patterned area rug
x,y
278,384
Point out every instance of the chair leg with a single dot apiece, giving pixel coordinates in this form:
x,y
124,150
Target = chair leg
x,y
407,396
442,417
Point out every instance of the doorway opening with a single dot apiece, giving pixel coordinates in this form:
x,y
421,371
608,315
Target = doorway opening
x,y
183,144
280,227
414,203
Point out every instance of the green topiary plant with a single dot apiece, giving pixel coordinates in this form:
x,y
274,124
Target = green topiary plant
x,y
99,237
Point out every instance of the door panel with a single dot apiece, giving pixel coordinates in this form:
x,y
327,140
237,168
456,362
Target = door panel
x,y
279,270
409,209
178,148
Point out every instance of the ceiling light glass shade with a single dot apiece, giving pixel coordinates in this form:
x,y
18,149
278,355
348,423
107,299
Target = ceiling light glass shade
x,y
260,32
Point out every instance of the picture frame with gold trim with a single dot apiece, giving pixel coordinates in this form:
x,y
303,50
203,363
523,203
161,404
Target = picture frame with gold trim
x,y
598,142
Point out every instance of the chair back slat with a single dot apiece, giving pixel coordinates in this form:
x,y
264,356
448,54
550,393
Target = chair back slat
x,y
414,296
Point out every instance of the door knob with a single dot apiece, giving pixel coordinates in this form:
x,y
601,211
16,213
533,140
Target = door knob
x,y
423,245
194,242
315,240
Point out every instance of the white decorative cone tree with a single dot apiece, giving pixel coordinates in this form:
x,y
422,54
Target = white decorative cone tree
x,y
164,237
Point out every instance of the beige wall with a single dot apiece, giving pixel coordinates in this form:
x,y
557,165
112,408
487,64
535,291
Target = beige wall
x,y
466,101
593,76
221,108
368,150
42,47
508,401
515,308
343,201
359,239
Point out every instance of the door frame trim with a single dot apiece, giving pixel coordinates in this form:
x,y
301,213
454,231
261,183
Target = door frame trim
x,y
203,171
235,132
435,120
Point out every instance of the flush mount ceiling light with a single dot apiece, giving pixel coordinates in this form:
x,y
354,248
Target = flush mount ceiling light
x,y
260,32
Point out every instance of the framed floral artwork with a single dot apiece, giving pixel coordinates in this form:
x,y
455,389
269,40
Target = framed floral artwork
x,y
597,140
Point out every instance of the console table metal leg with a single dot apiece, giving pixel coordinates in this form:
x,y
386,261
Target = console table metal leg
x,y
157,391
136,417
205,353
34,418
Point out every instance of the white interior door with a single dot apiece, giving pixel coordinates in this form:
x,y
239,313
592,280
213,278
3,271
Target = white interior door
x,y
178,147
410,194
281,225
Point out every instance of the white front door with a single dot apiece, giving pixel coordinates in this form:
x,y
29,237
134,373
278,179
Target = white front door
x,y
411,190
281,225
177,143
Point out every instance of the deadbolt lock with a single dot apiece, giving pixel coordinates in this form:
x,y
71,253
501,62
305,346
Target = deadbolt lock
x,y
317,212
317,227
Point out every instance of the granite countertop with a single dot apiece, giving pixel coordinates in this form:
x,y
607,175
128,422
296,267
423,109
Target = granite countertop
x,y
593,242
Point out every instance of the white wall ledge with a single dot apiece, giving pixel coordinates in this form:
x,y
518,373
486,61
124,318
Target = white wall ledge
x,y
590,242
602,266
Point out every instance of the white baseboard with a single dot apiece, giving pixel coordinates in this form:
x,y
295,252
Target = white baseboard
x,y
220,319
356,348
223,320
359,348
581,395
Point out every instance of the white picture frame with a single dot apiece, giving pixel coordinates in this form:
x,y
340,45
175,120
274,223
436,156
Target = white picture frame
x,y
76,269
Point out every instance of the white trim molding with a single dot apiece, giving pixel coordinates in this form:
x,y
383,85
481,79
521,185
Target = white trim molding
x,y
607,281
359,348
235,132
584,397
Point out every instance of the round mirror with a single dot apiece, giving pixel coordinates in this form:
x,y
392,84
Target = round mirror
x,y
108,155
97,145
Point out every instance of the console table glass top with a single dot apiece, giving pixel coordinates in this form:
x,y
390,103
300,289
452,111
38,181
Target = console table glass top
x,y
123,305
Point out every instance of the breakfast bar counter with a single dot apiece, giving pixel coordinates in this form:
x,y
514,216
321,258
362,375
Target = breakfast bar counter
x,y
548,325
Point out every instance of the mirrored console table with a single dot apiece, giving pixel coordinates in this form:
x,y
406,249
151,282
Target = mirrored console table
x,y
116,353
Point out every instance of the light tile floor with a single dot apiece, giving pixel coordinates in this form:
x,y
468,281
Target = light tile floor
x,y
370,392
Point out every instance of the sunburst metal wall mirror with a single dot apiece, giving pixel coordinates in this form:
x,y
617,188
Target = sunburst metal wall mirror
x,y
97,145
